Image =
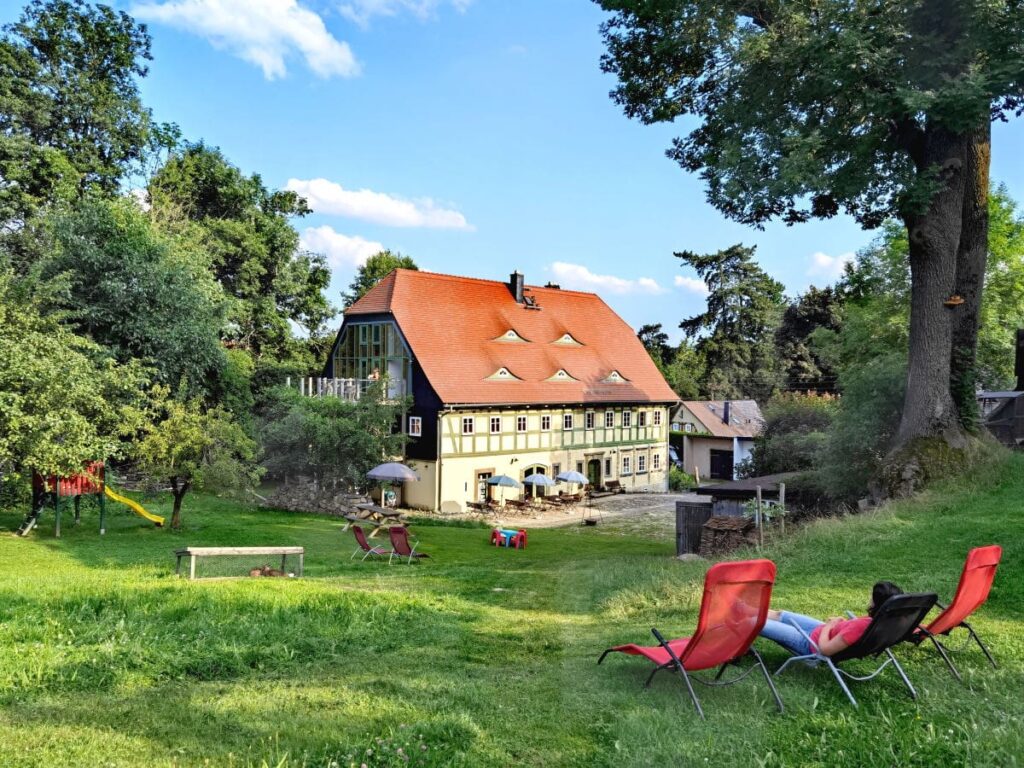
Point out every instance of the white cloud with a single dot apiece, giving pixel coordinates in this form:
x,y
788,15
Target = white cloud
x,y
828,267
579,277
691,284
342,251
330,198
361,11
262,32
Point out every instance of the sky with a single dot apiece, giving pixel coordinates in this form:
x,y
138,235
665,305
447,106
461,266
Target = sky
x,y
476,136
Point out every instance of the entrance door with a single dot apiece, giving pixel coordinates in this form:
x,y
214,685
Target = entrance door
x,y
481,486
721,465
594,473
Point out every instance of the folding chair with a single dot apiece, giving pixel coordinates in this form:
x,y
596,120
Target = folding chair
x,y
971,593
732,613
364,545
893,623
400,543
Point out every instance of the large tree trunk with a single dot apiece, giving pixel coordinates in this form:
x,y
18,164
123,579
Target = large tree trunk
x,y
972,257
178,490
934,235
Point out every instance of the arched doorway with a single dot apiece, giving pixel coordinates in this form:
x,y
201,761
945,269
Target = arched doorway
x,y
535,490
594,473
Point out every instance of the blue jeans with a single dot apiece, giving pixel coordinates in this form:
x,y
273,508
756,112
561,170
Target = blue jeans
x,y
789,637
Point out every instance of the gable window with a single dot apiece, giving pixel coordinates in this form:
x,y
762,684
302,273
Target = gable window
x,y
627,418
545,423
495,424
627,467
567,421
657,418
641,464
656,462
415,426
467,425
609,419
641,419
688,427
588,420
520,423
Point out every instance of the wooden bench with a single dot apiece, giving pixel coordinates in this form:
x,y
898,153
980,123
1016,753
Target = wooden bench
x,y
194,552
614,486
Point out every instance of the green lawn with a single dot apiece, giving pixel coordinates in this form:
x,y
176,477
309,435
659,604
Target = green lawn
x,y
478,657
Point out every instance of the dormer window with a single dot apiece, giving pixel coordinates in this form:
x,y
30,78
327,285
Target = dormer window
x,y
511,336
561,375
503,374
615,378
566,340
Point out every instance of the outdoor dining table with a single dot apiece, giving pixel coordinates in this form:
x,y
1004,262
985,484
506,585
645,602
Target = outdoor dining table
x,y
380,517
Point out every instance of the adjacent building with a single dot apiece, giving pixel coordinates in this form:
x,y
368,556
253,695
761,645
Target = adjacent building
x,y
717,435
507,379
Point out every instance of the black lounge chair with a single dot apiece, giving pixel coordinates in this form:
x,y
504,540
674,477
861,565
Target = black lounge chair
x,y
897,619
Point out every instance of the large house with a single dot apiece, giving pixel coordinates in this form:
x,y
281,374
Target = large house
x,y
717,435
507,379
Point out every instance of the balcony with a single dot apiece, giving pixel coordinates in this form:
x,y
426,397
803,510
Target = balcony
x,y
345,389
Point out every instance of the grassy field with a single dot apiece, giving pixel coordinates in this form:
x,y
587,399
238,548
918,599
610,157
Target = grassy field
x,y
478,657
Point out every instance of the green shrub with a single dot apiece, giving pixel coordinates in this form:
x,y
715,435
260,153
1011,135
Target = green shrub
x,y
796,433
678,480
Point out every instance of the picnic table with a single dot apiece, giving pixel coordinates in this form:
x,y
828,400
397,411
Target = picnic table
x,y
379,517
195,552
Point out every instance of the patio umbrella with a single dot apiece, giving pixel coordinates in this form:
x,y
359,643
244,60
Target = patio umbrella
x,y
391,473
537,479
572,477
503,481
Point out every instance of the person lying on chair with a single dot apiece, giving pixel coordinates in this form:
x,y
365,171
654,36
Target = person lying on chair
x,y
830,637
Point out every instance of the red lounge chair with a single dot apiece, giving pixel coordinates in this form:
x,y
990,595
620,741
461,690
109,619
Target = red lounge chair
x,y
400,543
732,613
971,593
364,545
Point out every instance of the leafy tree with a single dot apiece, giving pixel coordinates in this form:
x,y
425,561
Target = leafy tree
x,y
655,341
195,448
139,294
253,248
686,371
376,268
804,368
63,401
71,118
795,434
335,441
881,110
735,335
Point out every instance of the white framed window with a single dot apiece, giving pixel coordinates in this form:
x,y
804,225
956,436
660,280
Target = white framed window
x,y
609,419
641,464
657,418
627,418
656,461
415,426
641,419
545,423
627,466
566,421
520,423
588,420
468,425
495,424
688,427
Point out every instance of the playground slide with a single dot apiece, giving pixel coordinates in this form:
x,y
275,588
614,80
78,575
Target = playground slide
x,y
137,508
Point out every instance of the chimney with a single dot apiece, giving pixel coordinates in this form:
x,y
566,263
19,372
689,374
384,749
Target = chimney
x,y
516,283
725,413
1020,360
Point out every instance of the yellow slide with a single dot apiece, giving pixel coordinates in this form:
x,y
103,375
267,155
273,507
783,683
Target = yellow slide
x,y
135,507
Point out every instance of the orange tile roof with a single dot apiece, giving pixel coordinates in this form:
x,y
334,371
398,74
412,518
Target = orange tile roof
x,y
452,323
745,417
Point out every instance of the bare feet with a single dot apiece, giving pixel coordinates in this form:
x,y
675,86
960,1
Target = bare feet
x,y
774,615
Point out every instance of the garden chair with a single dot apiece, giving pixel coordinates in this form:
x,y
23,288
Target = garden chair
x,y
894,622
971,593
400,544
732,613
364,545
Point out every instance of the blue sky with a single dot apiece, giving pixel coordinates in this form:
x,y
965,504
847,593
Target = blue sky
x,y
475,135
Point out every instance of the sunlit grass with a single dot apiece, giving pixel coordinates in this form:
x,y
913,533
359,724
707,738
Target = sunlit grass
x,y
478,656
